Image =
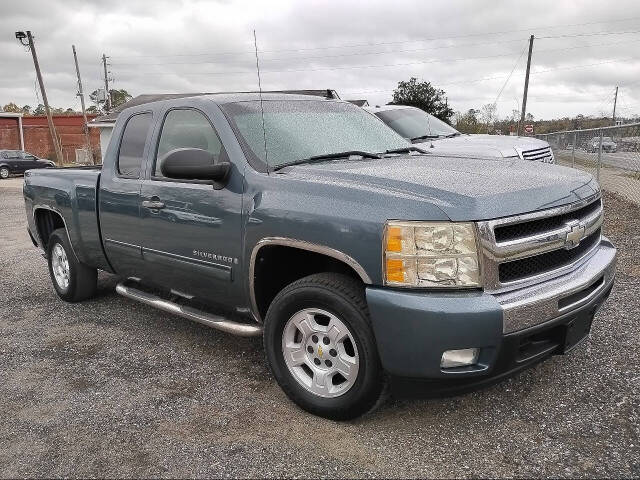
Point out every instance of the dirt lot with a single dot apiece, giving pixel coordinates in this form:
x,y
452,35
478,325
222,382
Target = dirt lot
x,y
113,388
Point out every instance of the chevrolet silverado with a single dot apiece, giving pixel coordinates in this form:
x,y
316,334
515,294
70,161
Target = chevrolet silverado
x,y
362,261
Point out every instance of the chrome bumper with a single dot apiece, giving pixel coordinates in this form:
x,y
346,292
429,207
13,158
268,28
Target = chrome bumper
x,y
530,306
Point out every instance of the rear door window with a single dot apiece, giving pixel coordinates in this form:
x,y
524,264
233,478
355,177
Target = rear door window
x,y
134,139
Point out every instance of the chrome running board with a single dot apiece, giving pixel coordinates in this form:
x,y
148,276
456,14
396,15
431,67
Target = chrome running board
x,y
208,319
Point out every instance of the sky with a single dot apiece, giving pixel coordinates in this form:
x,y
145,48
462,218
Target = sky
x,y
474,50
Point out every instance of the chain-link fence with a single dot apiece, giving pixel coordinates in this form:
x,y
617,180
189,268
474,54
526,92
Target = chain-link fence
x,y
612,154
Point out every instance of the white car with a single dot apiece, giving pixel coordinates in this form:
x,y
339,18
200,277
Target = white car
x,y
427,132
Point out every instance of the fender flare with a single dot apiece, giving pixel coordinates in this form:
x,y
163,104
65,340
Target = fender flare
x,y
64,222
301,245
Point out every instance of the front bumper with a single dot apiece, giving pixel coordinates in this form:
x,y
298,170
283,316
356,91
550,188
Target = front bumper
x,y
513,330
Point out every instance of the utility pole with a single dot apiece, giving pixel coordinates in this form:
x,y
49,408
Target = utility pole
x,y
615,101
80,94
526,86
52,128
107,95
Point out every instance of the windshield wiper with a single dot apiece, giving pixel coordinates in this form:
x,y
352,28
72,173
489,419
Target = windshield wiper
x,y
424,137
329,156
406,150
451,135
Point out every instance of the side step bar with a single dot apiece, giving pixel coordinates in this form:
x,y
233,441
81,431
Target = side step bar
x,y
208,319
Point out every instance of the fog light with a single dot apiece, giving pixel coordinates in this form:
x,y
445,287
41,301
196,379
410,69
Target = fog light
x,y
459,358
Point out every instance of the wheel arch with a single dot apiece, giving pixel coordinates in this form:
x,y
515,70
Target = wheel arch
x,y
46,221
309,258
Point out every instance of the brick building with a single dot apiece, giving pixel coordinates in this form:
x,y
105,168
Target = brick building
x,y
31,133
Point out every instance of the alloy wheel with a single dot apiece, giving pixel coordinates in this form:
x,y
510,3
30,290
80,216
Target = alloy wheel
x,y
320,352
60,266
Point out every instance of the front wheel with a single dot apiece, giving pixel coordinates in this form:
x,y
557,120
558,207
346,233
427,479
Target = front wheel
x,y
4,173
321,348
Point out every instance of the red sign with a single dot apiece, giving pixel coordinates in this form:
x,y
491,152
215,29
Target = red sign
x,y
528,128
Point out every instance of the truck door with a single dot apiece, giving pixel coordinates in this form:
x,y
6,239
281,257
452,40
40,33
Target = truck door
x,y
190,233
119,196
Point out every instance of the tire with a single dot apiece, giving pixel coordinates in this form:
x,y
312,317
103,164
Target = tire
x,y
337,301
73,281
4,173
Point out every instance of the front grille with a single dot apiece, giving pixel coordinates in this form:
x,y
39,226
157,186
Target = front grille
x,y
545,262
534,227
538,154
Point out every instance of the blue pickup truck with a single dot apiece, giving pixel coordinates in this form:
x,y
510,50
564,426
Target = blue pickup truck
x,y
362,261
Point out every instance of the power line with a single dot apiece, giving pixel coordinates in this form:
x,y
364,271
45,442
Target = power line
x,y
591,34
341,68
498,77
206,62
357,54
350,67
582,66
357,45
510,73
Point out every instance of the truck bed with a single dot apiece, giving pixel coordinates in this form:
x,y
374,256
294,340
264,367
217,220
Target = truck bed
x,y
69,194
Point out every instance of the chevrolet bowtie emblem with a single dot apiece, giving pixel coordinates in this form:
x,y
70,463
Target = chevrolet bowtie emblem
x,y
574,235
320,351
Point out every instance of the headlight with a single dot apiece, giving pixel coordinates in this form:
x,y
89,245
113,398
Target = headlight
x,y
431,254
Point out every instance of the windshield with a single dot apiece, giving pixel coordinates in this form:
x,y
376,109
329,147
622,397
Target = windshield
x,y
414,123
300,129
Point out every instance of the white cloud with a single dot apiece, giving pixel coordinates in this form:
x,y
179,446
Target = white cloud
x,y
386,41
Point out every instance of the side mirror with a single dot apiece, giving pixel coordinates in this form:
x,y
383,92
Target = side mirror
x,y
194,164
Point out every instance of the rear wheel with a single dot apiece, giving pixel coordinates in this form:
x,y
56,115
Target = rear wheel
x,y
4,172
321,348
73,281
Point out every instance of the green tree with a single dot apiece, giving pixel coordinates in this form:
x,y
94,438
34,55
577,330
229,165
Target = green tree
x,y
118,97
468,122
26,109
424,96
11,107
39,110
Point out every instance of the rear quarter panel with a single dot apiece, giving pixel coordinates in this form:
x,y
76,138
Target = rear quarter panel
x,y
72,193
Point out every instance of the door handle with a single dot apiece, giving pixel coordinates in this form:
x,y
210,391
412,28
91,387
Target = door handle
x,y
153,204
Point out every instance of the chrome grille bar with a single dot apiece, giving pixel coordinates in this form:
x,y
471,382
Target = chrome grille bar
x,y
496,253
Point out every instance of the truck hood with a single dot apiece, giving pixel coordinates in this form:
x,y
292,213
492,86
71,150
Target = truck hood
x,y
463,188
484,145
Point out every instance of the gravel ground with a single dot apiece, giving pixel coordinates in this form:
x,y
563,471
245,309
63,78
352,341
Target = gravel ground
x,y
114,388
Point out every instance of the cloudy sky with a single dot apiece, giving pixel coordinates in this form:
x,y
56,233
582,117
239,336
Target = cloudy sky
x,y
473,50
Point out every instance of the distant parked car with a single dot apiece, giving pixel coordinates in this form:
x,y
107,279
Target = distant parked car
x,y
427,131
18,161
608,145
